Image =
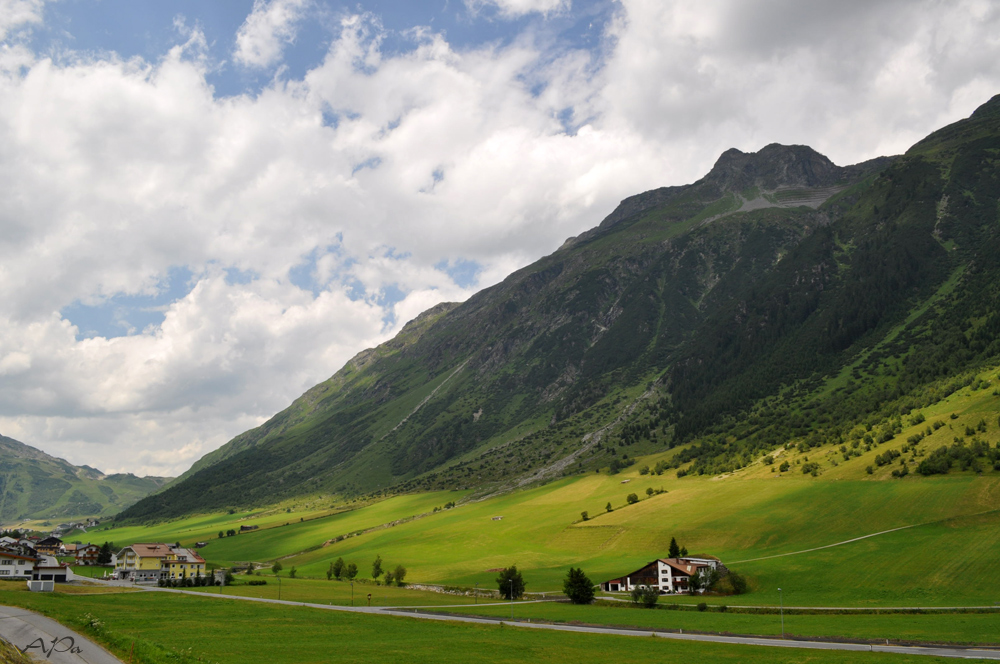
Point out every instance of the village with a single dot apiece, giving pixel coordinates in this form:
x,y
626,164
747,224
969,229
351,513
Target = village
x,y
45,561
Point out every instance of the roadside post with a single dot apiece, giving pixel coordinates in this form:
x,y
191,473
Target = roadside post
x,y
781,602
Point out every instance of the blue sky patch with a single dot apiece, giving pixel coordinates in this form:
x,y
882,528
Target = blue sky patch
x,y
147,30
124,315
464,273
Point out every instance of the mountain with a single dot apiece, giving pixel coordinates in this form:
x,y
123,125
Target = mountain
x,y
781,298
34,485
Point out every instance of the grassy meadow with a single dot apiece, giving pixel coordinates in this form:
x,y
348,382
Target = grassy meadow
x,y
155,628
959,628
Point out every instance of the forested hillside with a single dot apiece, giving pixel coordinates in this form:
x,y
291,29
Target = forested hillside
x,y
781,299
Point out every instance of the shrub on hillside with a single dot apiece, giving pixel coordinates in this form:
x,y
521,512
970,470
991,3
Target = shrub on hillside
x,y
578,587
646,597
511,583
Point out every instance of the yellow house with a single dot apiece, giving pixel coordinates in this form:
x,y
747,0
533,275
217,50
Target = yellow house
x,y
154,561
183,563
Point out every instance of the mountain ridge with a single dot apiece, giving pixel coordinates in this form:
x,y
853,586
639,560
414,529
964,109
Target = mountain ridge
x,y
36,485
675,319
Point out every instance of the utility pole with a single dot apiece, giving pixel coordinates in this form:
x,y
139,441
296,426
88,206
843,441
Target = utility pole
x,y
352,593
477,593
512,598
782,603
279,585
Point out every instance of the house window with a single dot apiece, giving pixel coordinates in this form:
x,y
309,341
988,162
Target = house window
x,y
7,561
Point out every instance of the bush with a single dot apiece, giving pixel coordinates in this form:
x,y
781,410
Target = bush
x,y
399,574
257,582
510,582
702,606
783,468
646,597
811,468
578,587
631,499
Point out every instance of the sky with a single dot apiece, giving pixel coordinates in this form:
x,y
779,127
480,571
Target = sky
x,y
209,207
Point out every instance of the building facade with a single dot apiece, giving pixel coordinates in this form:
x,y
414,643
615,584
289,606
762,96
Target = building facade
x,y
148,563
667,575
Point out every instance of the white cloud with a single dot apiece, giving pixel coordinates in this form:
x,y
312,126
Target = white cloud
x,y
16,13
517,8
371,170
271,26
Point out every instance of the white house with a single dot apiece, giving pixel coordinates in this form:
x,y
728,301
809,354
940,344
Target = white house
x,y
667,575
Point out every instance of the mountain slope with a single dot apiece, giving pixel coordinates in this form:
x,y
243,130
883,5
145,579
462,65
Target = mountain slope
x,y
683,318
34,485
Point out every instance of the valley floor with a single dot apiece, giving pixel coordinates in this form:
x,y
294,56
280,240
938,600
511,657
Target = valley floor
x,y
154,627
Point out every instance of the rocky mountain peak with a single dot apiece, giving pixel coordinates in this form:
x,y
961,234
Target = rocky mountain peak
x,y
774,167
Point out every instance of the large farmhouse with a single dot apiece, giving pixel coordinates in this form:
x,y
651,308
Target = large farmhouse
x,y
668,575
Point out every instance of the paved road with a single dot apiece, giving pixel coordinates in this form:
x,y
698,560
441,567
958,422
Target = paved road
x,y
48,641
961,653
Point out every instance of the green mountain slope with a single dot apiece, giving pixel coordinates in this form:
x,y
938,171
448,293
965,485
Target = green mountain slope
x,y
779,299
34,485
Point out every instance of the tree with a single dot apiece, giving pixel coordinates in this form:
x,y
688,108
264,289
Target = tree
x,y
650,491
387,579
292,572
684,552
674,551
584,515
377,567
329,572
221,534
277,567
510,582
351,571
338,568
578,587
631,499
608,506
646,597
399,574
695,583
105,554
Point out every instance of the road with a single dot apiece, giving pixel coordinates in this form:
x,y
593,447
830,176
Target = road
x,y
47,640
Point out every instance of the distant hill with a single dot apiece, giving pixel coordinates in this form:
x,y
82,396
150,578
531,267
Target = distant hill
x,y
34,485
781,298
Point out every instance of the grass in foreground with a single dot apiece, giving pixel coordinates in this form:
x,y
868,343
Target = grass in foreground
x,y
959,628
173,628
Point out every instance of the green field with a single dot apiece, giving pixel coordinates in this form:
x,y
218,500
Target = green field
x,y
959,628
335,592
155,628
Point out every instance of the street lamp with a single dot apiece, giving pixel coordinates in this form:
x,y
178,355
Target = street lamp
x,y
352,593
279,585
781,601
